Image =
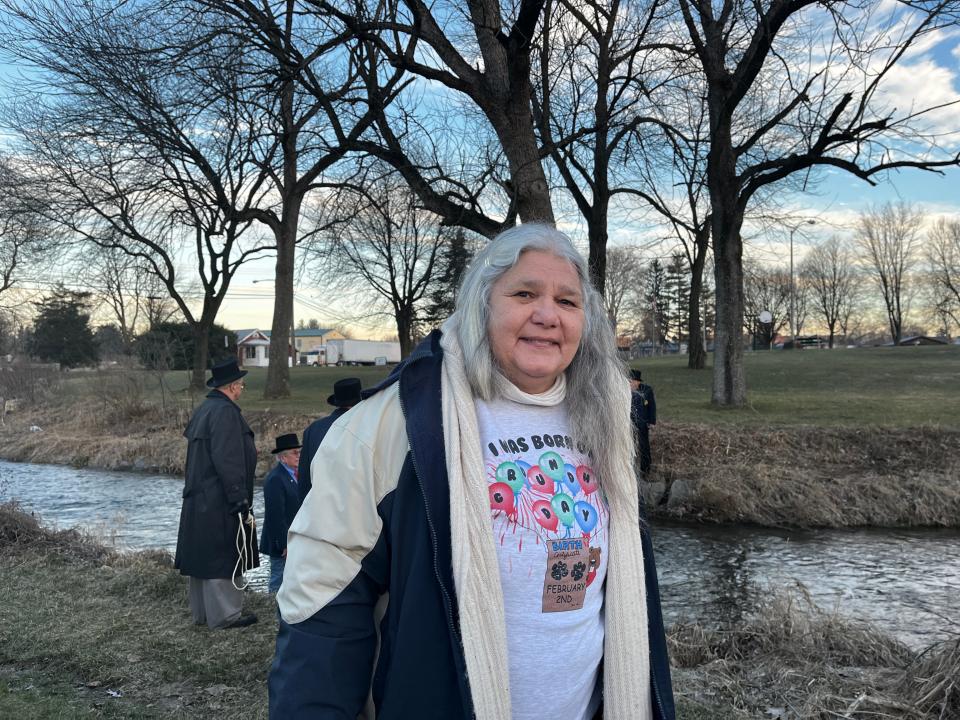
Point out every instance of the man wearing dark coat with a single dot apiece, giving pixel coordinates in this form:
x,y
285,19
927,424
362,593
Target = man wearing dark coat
x,y
643,413
281,500
217,498
346,394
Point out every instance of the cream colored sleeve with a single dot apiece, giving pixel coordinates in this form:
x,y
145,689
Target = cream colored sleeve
x,y
357,465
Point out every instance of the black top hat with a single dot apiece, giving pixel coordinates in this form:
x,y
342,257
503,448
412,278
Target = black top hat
x,y
286,442
635,375
346,393
224,373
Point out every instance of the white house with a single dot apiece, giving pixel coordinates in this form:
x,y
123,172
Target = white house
x,y
253,345
253,348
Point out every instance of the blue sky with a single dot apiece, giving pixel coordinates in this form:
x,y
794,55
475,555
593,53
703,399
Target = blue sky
x,y
929,75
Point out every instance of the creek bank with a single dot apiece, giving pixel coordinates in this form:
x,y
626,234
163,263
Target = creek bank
x,y
73,631
797,476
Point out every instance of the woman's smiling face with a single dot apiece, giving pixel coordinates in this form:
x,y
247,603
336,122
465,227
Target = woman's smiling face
x,y
536,320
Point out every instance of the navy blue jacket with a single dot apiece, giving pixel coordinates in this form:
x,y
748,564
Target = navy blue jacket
x,y
281,500
643,406
312,437
326,665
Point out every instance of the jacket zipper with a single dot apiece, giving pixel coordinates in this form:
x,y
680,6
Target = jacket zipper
x,y
433,534
656,693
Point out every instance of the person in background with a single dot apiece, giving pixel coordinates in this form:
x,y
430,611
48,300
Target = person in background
x,y
281,500
346,394
475,548
217,500
643,414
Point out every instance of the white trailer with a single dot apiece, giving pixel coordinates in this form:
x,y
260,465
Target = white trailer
x,y
356,352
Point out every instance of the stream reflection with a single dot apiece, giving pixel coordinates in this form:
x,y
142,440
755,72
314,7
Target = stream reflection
x,y
907,582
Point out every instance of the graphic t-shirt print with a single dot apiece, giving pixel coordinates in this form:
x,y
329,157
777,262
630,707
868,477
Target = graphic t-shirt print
x,y
543,488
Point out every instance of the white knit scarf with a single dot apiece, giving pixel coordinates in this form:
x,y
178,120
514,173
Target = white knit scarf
x,y
476,571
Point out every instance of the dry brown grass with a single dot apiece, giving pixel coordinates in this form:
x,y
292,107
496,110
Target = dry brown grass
x,y
933,681
22,532
150,439
806,476
793,660
788,476
79,621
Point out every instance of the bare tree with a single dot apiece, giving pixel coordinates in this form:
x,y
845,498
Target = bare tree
x,y
591,99
669,164
766,288
136,148
623,289
313,82
829,271
387,243
943,255
119,281
27,242
793,85
889,240
480,52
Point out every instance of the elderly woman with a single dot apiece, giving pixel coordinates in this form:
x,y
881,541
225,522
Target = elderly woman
x,y
475,548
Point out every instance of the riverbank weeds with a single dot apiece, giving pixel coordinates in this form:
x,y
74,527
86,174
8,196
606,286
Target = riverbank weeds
x,y
791,660
795,476
89,632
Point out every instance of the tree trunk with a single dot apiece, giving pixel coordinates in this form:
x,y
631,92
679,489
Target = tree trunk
x,y
530,189
278,373
281,342
505,100
404,318
696,349
201,353
600,210
729,383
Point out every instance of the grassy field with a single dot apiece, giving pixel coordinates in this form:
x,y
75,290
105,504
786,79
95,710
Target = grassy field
x,y
888,387
845,438
88,633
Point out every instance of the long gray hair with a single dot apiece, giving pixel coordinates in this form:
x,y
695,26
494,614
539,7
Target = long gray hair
x,y
596,378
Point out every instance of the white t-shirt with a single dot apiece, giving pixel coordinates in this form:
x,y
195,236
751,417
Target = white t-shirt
x,y
550,527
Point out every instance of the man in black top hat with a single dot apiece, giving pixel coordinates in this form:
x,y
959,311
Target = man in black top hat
x,y
643,413
346,394
281,500
217,497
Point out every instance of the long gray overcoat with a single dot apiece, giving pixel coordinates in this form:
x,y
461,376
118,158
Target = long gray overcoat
x,y
221,460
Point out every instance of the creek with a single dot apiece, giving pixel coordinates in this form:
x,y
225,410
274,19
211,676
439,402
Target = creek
x,y
905,582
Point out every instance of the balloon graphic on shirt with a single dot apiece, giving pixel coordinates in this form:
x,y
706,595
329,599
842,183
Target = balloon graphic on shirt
x,y
501,497
562,505
552,464
540,481
544,515
511,474
587,479
525,466
569,480
586,515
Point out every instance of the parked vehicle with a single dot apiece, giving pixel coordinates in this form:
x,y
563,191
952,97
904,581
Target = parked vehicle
x,y
355,352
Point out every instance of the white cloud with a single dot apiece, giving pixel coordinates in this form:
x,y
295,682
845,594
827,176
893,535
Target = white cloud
x,y
924,84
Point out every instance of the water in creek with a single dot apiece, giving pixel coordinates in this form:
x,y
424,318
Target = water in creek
x,y
906,582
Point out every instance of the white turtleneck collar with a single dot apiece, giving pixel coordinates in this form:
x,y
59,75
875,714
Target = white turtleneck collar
x,y
554,396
